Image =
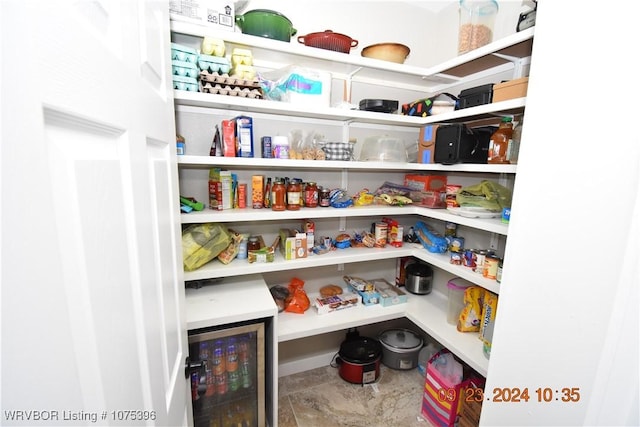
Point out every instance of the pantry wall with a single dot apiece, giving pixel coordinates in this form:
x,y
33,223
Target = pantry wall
x,y
308,350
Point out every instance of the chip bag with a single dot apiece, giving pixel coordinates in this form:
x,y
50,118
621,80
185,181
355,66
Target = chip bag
x,y
298,300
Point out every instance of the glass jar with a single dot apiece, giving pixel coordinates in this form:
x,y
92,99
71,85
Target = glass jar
x,y
253,244
324,197
293,195
311,195
476,24
278,196
499,142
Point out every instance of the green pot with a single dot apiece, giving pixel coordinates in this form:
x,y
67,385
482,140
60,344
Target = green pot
x,y
266,23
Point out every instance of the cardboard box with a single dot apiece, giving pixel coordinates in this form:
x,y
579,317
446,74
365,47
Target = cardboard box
x,y
368,297
512,89
221,194
293,244
213,13
257,191
244,136
388,293
229,138
427,143
337,303
426,182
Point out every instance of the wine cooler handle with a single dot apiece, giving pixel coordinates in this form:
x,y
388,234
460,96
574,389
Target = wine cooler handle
x,y
194,365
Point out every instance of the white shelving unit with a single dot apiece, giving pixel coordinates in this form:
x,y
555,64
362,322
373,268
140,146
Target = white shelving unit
x,y
426,311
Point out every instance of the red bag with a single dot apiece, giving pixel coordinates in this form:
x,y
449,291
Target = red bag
x,y
298,300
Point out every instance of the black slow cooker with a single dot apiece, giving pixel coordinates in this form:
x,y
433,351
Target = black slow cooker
x,y
359,360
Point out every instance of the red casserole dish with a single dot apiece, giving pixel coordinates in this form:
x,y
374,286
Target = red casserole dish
x,y
329,40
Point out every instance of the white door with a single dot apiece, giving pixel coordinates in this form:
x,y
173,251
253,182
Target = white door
x,y
93,328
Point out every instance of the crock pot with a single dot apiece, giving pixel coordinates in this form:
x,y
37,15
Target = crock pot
x,y
418,278
359,360
400,348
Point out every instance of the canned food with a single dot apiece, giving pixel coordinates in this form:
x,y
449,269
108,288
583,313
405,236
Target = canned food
x,y
450,229
456,258
380,234
480,255
499,272
456,244
468,258
490,270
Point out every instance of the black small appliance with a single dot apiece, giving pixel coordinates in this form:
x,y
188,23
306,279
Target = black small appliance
x,y
457,143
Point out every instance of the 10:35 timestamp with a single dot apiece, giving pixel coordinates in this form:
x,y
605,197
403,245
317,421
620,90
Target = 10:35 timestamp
x,y
513,394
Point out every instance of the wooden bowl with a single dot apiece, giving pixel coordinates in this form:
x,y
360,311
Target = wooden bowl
x,y
392,52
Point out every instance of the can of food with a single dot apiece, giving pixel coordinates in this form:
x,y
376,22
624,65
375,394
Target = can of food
x,y
456,244
324,197
450,229
490,270
380,234
480,255
468,259
456,258
499,272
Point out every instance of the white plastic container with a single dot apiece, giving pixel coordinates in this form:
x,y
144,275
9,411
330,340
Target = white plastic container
x,y
456,288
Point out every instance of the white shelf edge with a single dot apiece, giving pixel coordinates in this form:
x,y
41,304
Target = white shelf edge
x,y
244,215
259,162
215,269
207,100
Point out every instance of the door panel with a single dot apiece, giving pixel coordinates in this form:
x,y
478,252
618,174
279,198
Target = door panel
x,y
92,292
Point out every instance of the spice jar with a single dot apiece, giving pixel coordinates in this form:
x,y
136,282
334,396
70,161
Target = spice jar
x,y
278,196
293,195
311,195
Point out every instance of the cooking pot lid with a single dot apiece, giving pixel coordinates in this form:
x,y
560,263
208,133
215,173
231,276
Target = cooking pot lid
x,y
360,350
401,338
418,269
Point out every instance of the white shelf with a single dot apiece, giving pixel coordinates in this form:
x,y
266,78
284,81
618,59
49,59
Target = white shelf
x,y
225,102
237,299
493,225
248,298
260,163
215,269
277,54
429,313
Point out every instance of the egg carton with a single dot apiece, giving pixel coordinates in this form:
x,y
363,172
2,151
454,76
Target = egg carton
x,y
239,91
183,53
225,79
185,83
184,69
213,64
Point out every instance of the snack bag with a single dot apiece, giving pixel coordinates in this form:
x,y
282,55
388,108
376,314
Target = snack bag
x,y
298,300
471,314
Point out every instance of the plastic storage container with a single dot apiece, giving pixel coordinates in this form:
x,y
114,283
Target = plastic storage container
x,y
383,149
456,288
476,24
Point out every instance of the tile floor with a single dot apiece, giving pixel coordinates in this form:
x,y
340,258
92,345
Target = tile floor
x,y
321,398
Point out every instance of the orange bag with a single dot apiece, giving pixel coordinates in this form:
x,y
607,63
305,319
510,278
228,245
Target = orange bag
x,y
298,301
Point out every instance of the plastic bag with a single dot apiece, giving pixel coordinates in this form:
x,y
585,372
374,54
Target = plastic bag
x,y
486,194
430,239
471,314
298,300
203,242
230,252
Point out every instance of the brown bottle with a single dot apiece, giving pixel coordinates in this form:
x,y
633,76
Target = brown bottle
x,y
499,142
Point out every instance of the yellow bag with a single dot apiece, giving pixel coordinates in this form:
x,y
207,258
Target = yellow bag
x,y
203,242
